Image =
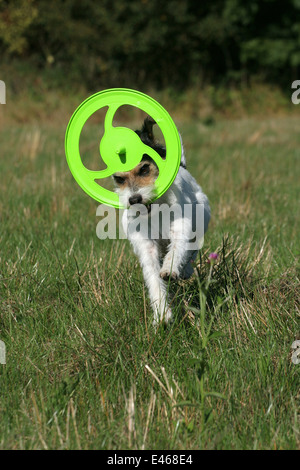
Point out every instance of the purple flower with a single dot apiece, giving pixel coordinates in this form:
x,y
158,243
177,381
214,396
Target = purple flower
x,y
213,257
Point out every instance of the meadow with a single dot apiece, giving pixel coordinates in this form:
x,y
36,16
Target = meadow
x,y
84,367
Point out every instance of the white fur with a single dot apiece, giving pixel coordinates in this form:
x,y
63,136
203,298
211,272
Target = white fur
x,y
162,258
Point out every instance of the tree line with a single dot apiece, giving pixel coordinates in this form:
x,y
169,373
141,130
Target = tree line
x,y
159,43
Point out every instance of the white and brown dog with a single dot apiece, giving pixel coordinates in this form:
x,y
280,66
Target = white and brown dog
x,y
167,257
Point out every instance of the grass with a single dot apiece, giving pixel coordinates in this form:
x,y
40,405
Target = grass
x,y
85,369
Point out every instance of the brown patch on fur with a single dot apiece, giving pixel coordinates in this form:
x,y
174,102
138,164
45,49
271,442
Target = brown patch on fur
x,y
142,181
134,178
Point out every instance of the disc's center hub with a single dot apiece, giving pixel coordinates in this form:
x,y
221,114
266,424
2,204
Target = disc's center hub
x,y
121,149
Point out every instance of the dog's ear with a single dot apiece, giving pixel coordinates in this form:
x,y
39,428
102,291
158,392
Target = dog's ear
x,y
148,127
146,133
146,136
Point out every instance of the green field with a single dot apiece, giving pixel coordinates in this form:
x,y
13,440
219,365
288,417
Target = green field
x,y
84,367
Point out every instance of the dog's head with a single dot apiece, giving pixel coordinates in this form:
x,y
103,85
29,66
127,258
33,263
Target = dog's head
x,y
137,186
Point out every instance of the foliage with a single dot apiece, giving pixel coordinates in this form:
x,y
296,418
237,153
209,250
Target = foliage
x,y
149,42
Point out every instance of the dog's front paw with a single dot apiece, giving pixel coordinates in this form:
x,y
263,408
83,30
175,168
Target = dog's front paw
x,y
165,274
164,316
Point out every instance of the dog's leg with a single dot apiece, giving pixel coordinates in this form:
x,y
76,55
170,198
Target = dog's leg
x,y
178,254
147,251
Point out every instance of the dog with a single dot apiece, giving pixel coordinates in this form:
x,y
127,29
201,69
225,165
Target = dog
x,y
167,258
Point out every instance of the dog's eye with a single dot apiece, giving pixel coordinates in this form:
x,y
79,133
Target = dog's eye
x,y
144,170
119,179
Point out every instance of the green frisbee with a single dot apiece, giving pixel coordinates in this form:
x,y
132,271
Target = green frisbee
x,y
121,148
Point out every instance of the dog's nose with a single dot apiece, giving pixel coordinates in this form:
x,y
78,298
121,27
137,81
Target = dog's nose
x,y
135,199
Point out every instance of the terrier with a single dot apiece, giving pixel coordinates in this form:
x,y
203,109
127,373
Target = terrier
x,y
169,257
